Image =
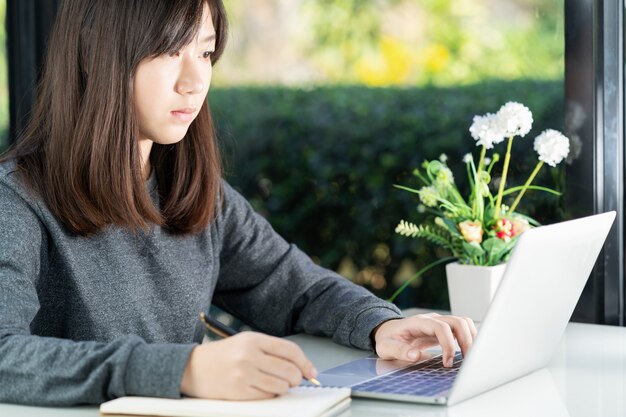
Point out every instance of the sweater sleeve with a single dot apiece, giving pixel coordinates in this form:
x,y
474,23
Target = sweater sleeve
x,y
48,371
276,288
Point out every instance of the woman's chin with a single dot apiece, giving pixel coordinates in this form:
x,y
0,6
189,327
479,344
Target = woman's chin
x,y
169,140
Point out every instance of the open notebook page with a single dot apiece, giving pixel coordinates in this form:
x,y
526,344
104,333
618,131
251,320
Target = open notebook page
x,y
301,401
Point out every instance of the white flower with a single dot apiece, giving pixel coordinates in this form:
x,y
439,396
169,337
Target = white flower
x,y
487,130
443,180
443,158
421,208
467,158
487,161
444,177
515,118
552,146
429,196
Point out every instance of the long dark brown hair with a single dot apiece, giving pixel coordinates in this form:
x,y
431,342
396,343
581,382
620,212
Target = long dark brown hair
x,y
80,149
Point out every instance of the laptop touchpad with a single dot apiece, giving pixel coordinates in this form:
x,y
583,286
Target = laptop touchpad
x,y
360,370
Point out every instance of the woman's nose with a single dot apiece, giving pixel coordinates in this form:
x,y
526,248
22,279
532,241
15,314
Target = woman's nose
x,y
191,80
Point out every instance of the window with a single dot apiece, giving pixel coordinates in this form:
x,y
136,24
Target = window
x,y
361,93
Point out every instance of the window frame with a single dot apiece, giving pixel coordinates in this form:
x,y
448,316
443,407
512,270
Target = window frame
x,y
594,82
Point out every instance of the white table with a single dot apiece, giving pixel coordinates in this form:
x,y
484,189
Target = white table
x,y
586,378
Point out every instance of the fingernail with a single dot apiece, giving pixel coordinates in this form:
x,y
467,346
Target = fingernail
x,y
412,355
313,372
450,362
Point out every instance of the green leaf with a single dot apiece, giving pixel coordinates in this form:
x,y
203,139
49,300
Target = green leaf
x,y
500,250
531,187
473,250
435,236
451,226
493,245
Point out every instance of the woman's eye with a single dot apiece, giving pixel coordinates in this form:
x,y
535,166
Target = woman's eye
x,y
207,54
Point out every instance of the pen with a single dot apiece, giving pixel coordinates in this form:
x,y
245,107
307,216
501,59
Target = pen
x,y
224,331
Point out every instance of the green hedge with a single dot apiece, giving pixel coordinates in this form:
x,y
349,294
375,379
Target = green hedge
x,y
320,165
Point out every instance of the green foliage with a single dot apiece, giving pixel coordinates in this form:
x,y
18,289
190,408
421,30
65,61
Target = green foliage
x,y
345,27
393,42
433,235
460,42
320,165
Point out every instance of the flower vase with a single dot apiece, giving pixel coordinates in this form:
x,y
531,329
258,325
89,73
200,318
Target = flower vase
x,y
471,288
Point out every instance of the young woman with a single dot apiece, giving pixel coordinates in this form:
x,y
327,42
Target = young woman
x,y
117,229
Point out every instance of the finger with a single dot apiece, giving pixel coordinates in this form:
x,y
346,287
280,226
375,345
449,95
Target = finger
x,y
445,337
254,393
281,368
395,349
290,351
461,331
472,327
269,383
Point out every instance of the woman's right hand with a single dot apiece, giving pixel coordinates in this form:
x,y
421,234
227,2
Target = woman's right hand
x,y
246,366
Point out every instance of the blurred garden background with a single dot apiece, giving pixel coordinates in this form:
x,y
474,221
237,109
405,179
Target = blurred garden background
x,y
322,106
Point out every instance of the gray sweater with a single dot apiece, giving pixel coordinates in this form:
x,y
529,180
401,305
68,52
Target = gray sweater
x,y
84,320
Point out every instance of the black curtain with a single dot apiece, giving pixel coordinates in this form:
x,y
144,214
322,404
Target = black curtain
x,y
28,23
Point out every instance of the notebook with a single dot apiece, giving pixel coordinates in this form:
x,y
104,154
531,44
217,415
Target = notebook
x,y
301,401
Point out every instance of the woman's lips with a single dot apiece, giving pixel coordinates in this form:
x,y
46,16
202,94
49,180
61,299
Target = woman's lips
x,y
184,115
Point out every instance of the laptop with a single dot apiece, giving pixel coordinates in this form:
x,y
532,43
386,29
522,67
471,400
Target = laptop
x,y
541,285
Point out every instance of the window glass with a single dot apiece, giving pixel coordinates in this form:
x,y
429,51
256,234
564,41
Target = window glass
x,y
324,105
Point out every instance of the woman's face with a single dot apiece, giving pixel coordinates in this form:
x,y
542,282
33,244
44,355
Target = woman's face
x,y
170,89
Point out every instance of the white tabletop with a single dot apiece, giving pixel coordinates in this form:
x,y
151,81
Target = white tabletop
x,y
587,377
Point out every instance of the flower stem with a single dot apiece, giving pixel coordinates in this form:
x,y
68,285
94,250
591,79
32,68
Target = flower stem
x,y
477,193
420,272
505,169
481,161
530,179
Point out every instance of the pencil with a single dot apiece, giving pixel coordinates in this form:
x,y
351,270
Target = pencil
x,y
224,331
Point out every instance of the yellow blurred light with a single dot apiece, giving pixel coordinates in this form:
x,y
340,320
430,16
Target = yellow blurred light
x,y
436,58
391,64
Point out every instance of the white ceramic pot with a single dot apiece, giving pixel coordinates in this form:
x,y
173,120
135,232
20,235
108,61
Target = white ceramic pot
x,y
471,288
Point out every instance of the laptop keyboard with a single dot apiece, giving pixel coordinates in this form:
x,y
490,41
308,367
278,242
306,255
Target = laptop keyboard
x,y
427,379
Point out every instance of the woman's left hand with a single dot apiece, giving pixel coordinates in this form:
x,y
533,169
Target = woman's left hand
x,y
406,338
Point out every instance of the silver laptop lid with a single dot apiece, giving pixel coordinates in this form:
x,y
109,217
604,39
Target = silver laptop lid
x,y
543,281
